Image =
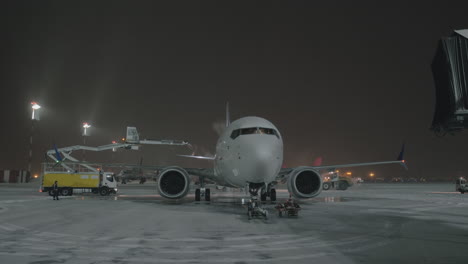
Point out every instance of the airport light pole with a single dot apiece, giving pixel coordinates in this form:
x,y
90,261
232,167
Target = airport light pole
x,y
85,134
34,118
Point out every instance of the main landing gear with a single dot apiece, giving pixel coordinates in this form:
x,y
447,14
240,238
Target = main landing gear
x,y
202,191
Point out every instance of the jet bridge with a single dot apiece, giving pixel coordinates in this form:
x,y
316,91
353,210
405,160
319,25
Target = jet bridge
x,y
450,71
132,141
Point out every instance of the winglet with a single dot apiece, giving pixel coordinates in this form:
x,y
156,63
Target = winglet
x,y
228,118
401,158
317,162
402,152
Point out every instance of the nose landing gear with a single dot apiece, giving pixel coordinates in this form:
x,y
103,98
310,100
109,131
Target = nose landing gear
x,y
254,208
269,192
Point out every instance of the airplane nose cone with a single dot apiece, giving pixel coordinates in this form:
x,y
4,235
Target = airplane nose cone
x,y
263,167
263,159
265,163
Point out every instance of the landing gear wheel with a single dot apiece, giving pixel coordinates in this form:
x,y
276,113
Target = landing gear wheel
x,y
273,195
263,197
197,195
104,191
207,195
326,186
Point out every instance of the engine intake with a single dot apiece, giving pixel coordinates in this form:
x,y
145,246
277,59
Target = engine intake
x,y
304,182
173,183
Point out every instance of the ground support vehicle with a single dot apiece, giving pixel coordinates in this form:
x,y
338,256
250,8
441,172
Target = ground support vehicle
x,y
461,186
336,182
289,208
72,175
79,179
254,210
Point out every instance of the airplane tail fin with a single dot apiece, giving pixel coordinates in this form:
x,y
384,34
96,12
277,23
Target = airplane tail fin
x,y
132,135
317,161
228,118
57,154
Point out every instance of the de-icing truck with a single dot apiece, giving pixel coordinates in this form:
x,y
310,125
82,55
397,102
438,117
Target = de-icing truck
x,y
81,180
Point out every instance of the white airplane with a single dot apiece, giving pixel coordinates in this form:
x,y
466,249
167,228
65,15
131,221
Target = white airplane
x,y
249,154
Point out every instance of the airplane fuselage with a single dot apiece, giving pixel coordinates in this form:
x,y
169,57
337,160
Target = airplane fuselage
x,y
250,150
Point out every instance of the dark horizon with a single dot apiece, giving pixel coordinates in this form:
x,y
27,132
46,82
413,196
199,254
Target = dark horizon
x,y
349,82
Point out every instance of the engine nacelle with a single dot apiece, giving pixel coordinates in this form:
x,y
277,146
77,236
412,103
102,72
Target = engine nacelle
x,y
304,182
173,183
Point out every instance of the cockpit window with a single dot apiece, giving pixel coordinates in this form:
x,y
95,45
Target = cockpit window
x,y
235,133
253,130
248,131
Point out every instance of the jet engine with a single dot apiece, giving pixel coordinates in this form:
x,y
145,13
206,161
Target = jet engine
x,y
304,182
173,183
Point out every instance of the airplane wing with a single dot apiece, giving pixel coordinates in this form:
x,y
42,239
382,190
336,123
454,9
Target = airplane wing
x,y
400,160
200,172
332,167
203,172
197,157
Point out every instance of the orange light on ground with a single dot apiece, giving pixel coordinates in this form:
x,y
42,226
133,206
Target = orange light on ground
x,y
371,174
123,139
36,176
114,142
349,173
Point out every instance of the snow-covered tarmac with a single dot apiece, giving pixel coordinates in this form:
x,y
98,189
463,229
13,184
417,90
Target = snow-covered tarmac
x,y
370,223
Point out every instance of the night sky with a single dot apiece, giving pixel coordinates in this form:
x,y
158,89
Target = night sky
x,y
345,80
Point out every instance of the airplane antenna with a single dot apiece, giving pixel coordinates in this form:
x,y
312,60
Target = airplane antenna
x,y
228,119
